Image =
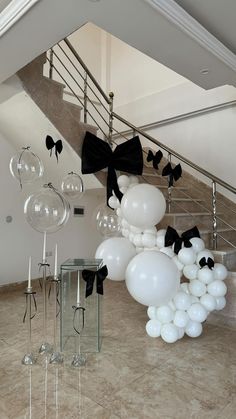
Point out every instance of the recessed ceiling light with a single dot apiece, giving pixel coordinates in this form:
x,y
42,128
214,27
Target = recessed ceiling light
x,y
204,71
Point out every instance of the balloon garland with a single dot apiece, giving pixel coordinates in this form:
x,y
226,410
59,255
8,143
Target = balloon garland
x,y
153,261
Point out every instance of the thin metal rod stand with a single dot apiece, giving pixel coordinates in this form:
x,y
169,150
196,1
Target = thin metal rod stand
x,y
45,347
56,357
29,358
79,360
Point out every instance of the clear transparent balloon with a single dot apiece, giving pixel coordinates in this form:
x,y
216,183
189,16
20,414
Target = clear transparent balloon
x,y
72,186
108,223
26,166
47,210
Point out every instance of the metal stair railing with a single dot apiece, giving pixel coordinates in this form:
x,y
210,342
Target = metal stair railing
x,y
65,62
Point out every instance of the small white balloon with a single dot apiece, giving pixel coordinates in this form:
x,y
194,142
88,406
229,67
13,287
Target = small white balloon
x,y
220,272
182,301
204,254
185,287
165,314
168,251
123,181
197,313
190,271
220,303
193,329
153,328
160,241
125,223
148,240
152,312
135,230
133,180
171,305
138,240
152,231
131,237
139,249
205,275
217,288
181,318
181,332
194,299
197,244
123,189
208,301
125,233
187,256
179,265
119,212
114,202
169,333
197,288
161,232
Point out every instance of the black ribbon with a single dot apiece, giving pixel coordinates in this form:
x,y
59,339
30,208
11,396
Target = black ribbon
x,y
89,277
173,173
97,155
50,144
172,237
77,311
28,295
209,262
155,158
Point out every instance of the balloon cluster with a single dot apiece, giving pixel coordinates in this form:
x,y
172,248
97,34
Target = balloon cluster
x,y
152,271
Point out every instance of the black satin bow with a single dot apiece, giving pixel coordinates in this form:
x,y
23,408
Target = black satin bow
x,y
209,262
97,155
172,237
50,143
155,158
173,173
89,277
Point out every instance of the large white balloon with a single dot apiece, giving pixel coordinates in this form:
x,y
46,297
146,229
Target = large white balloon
x,y
116,253
152,278
143,205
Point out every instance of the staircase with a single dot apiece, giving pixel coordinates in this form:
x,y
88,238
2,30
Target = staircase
x,y
190,202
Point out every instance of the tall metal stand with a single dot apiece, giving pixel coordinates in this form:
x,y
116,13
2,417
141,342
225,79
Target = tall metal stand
x,y
45,347
79,360
56,357
29,358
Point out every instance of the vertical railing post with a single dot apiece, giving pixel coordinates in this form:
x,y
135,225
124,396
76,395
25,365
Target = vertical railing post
x,y
51,64
111,96
214,217
85,97
169,199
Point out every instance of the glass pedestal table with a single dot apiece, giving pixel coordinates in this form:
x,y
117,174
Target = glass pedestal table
x,y
87,320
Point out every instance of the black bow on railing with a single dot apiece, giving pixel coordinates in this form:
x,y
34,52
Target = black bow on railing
x,y
155,158
97,155
50,143
173,173
209,262
172,237
89,277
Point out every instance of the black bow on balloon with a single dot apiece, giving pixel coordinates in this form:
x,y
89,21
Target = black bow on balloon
x,y
89,277
173,173
155,158
209,262
97,155
50,143
172,237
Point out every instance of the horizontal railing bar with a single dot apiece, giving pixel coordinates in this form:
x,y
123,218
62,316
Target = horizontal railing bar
x,y
81,97
227,241
177,155
74,52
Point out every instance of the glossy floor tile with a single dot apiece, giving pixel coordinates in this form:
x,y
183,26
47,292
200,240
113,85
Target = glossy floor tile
x,y
134,376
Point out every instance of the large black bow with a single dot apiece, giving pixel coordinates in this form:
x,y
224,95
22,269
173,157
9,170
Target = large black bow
x,y
209,262
97,155
89,278
172,237
155,158
50,143
173,173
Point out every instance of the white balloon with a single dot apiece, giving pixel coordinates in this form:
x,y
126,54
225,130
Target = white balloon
x,y
138,241
116,253
123,189
197,313
169,333
197,288
160,241
194,299
125,223
181,332
220,303
204,254
179,265
181,318
208,301
139,249
197,244
125,232
171,305
165,314
161,232
182,301
113,202
148,240
131,237
123,181
217,288
152,278
119,212
187,256
152,231
205,275
193,329
190,271
184,287
152,312
135,230
143,206
168,251
220,272
133,180
153,328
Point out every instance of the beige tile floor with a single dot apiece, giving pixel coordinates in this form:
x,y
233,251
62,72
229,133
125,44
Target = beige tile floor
x,y
134,377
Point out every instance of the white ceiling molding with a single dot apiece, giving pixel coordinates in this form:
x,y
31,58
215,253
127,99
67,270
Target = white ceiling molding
x,y
13,12
187,24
